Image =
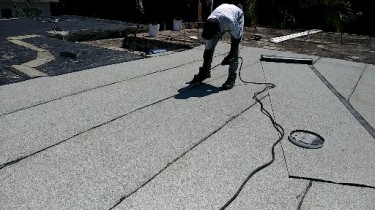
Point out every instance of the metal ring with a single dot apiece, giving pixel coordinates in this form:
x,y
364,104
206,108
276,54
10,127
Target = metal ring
x,y
306,139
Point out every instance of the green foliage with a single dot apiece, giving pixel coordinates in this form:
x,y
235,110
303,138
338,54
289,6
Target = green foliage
x,y
326,14
352,16
251,14
336,13
28,11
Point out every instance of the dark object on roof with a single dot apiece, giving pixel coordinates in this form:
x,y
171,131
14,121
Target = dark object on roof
x,y
73,55
279,59
306,139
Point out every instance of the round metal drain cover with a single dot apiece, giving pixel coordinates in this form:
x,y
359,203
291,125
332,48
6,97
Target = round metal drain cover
x,y
306,139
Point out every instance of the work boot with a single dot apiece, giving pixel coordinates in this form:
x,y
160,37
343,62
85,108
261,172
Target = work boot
x,y
205,70
202,75
229,83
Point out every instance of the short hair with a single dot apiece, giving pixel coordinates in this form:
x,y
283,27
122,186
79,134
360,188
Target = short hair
x,y
210,28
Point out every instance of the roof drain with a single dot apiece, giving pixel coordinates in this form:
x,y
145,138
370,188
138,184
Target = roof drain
x,y
306,139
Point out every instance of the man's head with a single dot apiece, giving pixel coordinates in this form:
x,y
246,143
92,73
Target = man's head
x,y
210,28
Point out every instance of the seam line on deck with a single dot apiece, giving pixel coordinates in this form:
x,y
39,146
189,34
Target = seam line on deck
x,y
89,129
356,85
100,86
331,182
94,88
187,151
75,135
304,195
345,102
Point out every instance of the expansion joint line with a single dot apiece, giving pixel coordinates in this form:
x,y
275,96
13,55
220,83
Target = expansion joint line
x,y
356,85
304,195
187,151
345,102
94,88
92,128
331,182
277,127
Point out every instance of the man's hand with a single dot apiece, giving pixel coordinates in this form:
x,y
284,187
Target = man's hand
x,y
235,43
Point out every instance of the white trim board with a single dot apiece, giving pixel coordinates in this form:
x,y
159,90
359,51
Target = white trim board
x,y
295,35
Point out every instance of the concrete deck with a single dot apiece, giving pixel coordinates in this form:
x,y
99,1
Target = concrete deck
x,y
134,136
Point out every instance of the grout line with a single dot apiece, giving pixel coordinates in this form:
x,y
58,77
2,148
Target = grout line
x,y
331,182
356,85
101,124
184,153
94,88
284,157
274,116
100,86
304,195
75,135
345,102
92,128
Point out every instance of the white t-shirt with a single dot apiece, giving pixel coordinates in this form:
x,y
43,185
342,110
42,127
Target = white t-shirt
x,y
231,19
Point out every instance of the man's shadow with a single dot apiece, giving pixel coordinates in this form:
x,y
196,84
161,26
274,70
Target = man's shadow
x,y
198,91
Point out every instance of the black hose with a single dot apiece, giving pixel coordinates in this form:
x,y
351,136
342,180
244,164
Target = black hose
x,y
277,126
